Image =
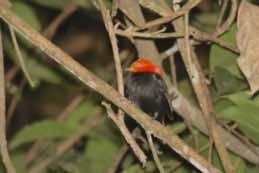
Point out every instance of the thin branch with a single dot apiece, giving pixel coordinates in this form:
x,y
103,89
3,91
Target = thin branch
x,y
222,12
154,153
226,25
202,92
20,58
145,48
125,132
119,120
118,158
203,36
3,142
14,102
171,17
69,9
150,35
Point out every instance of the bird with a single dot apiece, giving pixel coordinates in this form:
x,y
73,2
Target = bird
x,y
146,88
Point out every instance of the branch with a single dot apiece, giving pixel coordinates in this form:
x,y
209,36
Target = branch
x,y
3,143
119,119
189,112
145,48
90,80
69,9
200,87
226,25
150,35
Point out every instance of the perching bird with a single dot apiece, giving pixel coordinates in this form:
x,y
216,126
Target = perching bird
x,y
146,88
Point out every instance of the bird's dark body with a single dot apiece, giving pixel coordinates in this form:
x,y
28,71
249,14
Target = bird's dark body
x,y
149,92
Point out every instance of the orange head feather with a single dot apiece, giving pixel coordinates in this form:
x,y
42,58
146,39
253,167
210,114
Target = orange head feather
x,y
144,66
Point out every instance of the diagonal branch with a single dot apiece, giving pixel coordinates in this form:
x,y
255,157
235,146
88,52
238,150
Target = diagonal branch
x,y
106,91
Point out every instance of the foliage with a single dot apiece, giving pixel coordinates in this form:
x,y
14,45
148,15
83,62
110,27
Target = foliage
x,y
97,149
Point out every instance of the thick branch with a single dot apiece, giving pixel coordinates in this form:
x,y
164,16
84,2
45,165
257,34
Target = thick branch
x,y
107,91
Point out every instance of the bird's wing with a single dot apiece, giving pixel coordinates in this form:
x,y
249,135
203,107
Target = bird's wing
x,y
166,98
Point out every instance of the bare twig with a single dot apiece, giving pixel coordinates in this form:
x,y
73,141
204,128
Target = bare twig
x,y
115,6
118,159
154,152
203,36
202,92
150,35
11,73
145,48
20,58
223,9
171,17
14,102
119,120
69,9
128,137
3,143
226,25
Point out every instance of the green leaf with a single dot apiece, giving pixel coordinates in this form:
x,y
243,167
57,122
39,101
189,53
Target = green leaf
x,y
251,169
150,167
46,129
84,110
35,68
60,4
133,169
227,83
245,112
27,13
99,155
18,161
224,58
186,89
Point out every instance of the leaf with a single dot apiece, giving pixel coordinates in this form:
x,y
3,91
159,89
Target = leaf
x,y
46,129
223,58
245,113
186,89
133,169
251,169
60,4
36,69
84,110
227,83
99,155
18,161
248,43
27,13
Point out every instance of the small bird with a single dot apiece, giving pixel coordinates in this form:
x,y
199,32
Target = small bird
x,y
146,88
